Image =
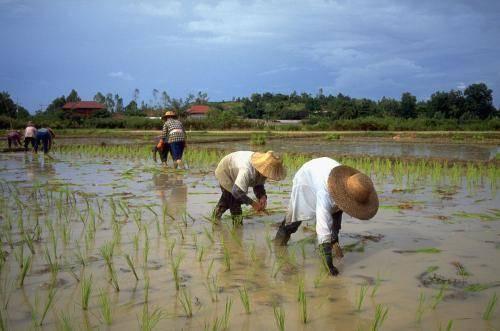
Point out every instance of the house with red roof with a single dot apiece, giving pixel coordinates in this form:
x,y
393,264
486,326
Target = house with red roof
x,y
198,111
83,108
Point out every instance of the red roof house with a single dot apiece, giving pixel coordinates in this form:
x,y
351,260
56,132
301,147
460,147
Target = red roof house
x,y
198,111
84,108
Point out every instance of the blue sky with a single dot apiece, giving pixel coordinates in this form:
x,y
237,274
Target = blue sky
x,y
229,48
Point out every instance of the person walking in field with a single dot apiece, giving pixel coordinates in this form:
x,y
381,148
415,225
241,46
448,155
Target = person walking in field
x,y
175,136
46,137
323,189
29,135
14,138
238,171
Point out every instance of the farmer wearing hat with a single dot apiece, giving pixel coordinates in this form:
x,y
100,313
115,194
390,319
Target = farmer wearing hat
x,y
324,189
174,136
237,172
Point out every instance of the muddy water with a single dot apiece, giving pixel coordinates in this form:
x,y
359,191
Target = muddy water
x,y
461,221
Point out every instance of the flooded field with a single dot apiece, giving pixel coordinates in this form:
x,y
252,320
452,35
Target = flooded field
x,y
99,237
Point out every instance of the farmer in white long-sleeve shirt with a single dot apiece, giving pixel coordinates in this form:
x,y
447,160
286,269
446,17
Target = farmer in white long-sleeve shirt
x,y
322,190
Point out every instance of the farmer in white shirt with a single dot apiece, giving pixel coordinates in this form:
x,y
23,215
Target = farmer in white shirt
x,y
322,190
238,171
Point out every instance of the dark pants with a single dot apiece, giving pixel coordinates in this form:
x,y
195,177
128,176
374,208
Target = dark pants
x,y
177,149
163,153
46,140
14,141
227,201
27,141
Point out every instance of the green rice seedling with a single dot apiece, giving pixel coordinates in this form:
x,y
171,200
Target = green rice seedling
x,y
79,256
438,297
175,264
181,232
106,252
320,277
245,300
234,234
421,307
253,253
490,307
24,270
131,266
186,302
105,306
146,289
227,257
19,255
150,319
360,298
277,266
171,247
381,313
227,313
65,322
213,289
86,289
48,303
29,242
210,267
279,317
209,235
135,242
302,299
200,253
146,247
449,326
376,286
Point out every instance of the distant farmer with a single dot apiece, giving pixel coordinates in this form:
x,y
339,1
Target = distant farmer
x,y
175,136
46,137
322,190
14,138
29,135
237,172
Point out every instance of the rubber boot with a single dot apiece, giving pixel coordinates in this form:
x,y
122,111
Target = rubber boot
x,y
217,213
326,253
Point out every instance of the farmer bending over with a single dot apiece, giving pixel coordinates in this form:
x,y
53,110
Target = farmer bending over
x,y
237,172
29,135
323,189
14,138
45,136
175,136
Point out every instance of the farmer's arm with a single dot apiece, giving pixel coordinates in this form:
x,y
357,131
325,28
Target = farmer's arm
x,y
324,219
240,189
260,193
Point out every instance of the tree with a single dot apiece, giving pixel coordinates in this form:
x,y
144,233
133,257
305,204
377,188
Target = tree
x,y
99,97
73,96
479,101
408,105
118,104
388,107
110,102
7,105
136,95
201,98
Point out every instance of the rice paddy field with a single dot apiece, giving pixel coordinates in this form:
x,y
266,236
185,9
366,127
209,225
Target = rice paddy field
x,y
101,237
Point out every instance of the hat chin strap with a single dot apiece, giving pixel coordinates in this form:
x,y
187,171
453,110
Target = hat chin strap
x,y
358,188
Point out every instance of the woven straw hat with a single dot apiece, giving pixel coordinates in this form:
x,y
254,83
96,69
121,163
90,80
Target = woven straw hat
x,y
353,192
169,113
269,164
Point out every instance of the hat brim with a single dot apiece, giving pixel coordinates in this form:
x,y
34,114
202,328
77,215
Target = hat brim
x,y
337,187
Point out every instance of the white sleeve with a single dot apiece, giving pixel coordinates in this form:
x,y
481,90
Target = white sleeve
x,y
243,180
324,220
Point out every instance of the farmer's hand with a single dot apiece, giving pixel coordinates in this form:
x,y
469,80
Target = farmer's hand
x,y
263,202
256,205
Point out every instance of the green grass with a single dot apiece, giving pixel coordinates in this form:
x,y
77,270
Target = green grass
x,y
86,290
279,317
186,302
428,250
381,313
174,267
245,300
105,307
360,297
302,299
490,307
131,265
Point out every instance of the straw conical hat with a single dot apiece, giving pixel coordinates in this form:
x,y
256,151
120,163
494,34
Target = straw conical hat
x,y
169,113
353,192
269,164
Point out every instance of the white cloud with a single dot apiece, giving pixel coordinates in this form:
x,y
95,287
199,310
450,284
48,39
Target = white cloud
x,y
157,8
121,75
279,70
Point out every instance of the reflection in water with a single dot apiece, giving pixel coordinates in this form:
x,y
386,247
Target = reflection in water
x,y
38,167
172,192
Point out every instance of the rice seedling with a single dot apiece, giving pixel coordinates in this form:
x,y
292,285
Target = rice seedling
x,y
227,313
131,266
421,307
210,267
227,257
360,298
86,289
48,303
438,297
213,288
490,307
277,266
279,317
245,300
29,242
24,270
146,247
302,299
106,252
148,319
449,326
253,253
209,235
322,274
175,264
381,313
376,286
186,302
105,307
64,322
171,247
146,289
200,253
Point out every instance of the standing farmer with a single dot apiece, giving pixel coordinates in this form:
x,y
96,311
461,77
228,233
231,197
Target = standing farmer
x,y
175,136
237,172
45,136
323,189
29,135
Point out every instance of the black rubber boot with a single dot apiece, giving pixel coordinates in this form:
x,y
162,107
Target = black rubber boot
x,y
285,231
326,253
217,213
